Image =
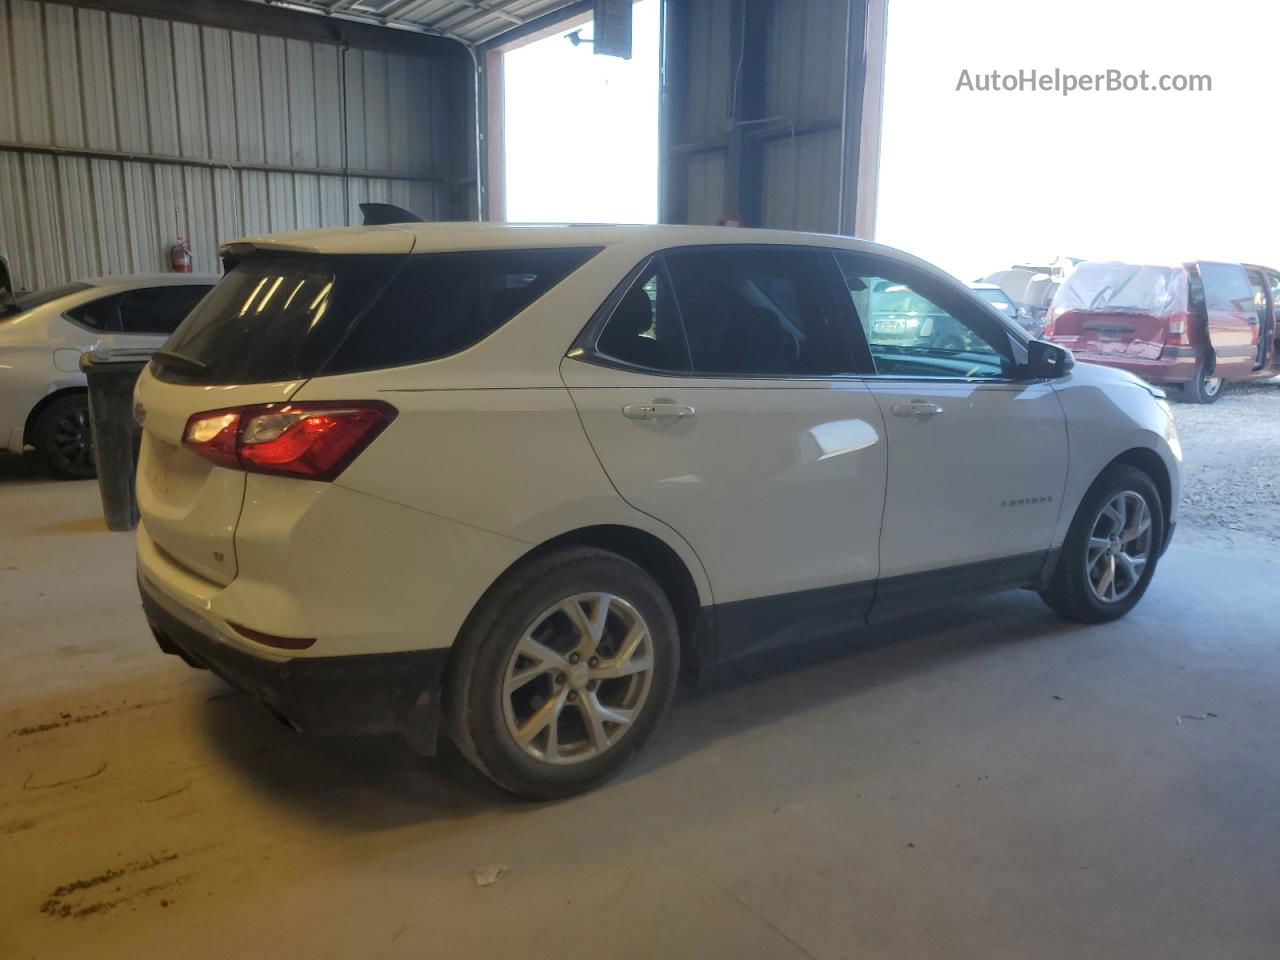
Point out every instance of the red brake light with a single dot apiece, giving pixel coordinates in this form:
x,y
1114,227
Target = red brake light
x,y
316,440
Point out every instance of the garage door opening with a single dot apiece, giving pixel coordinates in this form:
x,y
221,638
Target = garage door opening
x,y
580,131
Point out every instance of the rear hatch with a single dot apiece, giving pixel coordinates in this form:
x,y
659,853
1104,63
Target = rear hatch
x,y
270,324
1119,310
278,318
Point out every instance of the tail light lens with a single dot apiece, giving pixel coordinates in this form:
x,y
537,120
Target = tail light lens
x,y
316,440
1177,330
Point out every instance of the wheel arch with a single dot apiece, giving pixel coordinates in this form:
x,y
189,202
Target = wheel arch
x,y
647,551
1150,463
28,430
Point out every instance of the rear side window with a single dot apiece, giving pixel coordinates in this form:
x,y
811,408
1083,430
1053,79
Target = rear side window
x,y
439,304
288,318
102,314
745,312
159,310
1226,287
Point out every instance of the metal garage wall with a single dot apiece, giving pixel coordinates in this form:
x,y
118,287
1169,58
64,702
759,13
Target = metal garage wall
x,y
119,131
767,105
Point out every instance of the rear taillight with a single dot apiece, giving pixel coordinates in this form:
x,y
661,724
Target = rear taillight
x,y
316,439
1177,330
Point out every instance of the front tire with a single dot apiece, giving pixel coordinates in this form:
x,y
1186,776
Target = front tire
x,y
563,673
63,438
1111,549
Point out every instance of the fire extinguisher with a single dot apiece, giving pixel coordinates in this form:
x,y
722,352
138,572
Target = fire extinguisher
x,y
180,257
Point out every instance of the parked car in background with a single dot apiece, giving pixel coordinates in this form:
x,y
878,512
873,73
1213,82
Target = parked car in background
x,y
43,401
503,480
1193,325
900,316
1032,286
1020,315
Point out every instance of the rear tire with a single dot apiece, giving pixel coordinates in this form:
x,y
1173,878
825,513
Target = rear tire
x,y
1107,535
583,692
1204,388
63,438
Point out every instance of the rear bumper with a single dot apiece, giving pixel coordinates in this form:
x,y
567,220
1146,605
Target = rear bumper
x,y
359,694
1174,365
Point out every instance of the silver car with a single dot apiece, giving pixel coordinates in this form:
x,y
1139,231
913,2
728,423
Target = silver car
x,y
43,400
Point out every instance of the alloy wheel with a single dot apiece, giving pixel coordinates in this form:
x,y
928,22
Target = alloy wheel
x,y
73,441
1119,546
578,678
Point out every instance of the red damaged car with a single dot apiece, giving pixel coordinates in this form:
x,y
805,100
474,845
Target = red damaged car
x,y
1195,325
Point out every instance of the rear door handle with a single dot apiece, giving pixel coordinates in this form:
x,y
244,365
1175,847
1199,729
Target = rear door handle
x,y
919,409
664,411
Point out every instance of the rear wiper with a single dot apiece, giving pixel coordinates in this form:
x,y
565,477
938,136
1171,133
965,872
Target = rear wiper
x,y
181,358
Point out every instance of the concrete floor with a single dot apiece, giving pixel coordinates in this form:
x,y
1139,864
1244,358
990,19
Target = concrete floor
x,y
988,783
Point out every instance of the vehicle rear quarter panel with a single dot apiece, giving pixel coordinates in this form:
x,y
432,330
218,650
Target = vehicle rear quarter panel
x,y
1108,415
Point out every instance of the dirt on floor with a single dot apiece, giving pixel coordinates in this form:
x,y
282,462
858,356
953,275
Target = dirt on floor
x,y
1231,470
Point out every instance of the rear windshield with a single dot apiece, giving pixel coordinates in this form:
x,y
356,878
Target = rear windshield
x,y
38,298
288,318
1123,288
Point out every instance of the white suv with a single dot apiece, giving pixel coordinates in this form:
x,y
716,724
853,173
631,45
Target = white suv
x,y
506,480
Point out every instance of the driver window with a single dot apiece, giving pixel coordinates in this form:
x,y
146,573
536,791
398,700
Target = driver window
x,y
911,336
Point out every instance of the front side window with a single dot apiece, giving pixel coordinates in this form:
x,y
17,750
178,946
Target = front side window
x,y
727,312
910,334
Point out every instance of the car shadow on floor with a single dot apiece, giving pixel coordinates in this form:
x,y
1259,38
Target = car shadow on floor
x,y
27,468
370,783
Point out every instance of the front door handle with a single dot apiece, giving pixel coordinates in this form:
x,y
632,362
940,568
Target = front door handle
x,y
920,409
664,411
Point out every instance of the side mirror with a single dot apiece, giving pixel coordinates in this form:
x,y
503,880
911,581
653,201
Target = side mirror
x,y
7,299
1048,361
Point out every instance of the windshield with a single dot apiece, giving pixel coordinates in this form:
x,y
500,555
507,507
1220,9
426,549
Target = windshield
x,y
1123,288
38,298
998,299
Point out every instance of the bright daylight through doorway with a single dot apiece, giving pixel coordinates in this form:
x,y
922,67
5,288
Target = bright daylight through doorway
x,y
581,130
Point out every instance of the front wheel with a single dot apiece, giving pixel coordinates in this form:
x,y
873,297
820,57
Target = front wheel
x,y
1111,550
563,673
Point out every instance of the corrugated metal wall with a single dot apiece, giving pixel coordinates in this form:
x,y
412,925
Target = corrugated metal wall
x,y
756,96
117,132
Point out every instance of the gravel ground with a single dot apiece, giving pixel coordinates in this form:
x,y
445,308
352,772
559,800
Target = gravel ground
x,y
1231,475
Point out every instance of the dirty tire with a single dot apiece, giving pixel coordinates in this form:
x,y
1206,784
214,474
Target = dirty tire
x,y
1070,592
477,704
1203,388
62,437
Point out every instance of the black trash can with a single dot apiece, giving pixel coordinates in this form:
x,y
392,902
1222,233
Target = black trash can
x,y
116,437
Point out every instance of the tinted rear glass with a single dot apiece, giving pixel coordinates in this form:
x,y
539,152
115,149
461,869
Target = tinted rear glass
x,y
288,318
38,298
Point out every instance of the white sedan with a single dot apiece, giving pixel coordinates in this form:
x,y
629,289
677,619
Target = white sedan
x,y
505,480
42,336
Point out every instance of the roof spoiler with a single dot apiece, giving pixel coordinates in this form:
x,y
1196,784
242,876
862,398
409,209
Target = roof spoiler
x,y
380,214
